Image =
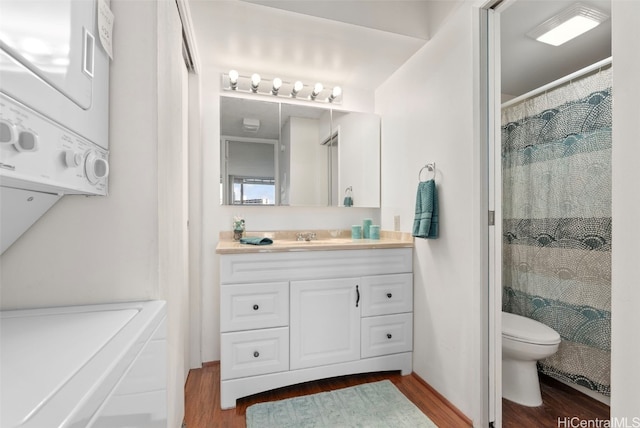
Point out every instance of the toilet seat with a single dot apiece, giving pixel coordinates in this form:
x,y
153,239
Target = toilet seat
x,y
527,330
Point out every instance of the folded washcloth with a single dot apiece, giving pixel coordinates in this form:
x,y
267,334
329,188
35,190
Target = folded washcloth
x,y
256,241
425,224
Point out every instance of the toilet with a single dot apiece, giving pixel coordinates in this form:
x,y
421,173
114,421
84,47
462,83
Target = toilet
x,y
524,342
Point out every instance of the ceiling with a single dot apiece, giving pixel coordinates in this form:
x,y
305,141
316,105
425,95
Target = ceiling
x,y
358,44
352,43
528,64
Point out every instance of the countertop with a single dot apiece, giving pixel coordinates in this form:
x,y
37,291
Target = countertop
x,y
326,240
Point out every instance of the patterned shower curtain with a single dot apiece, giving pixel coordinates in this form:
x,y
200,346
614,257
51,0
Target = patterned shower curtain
x,y
556,153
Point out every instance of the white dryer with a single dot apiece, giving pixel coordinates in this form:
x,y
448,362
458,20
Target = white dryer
x,y
54,108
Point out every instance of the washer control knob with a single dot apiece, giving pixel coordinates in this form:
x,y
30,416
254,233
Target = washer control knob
x,y
7,132
27,142
95,167
72,159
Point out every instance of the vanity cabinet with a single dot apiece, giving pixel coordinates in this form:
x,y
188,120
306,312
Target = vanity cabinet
x,y
291,317
325,322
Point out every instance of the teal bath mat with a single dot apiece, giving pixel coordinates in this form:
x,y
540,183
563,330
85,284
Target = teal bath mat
x,y
371,405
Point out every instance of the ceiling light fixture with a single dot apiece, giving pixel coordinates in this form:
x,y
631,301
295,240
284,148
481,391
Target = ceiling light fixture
x,y
568,24
254,84
250,125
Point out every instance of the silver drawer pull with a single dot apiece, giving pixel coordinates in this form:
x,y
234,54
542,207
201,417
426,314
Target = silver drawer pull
x,y
389,295
256,307
389,336
256,354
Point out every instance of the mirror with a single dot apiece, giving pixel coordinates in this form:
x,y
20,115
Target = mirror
x,y
249,142
299,155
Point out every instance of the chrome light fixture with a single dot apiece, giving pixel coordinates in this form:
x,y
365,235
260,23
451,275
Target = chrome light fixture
x,y
568,24
255,84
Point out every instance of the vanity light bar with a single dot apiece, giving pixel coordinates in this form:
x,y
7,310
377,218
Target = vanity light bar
x,y
254,84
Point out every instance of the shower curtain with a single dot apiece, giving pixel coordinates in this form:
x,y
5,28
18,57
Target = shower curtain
x,y
556,154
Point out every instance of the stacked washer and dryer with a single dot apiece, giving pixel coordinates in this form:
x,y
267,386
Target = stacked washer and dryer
x,y
54,109
96,365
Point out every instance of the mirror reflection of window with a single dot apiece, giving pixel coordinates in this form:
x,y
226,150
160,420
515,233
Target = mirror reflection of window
x,y
250,172
254,191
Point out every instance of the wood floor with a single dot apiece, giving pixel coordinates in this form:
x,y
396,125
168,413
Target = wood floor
x,y
202,398
559,401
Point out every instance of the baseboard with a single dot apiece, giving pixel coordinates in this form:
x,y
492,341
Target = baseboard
x,y
586,391
446,402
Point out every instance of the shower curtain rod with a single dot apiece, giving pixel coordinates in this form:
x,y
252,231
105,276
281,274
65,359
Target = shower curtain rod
x,y
558,82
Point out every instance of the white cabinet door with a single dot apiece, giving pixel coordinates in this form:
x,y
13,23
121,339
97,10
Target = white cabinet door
x,y
325,322
254,352
388,334
387,294
253,306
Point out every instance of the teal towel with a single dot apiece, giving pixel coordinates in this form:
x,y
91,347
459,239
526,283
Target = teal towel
x,y
425,224
256,241
348,201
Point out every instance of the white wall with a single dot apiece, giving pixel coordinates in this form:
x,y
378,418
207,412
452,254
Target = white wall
x,y
115,248
432,120
625,286
173,201
216,218
359,159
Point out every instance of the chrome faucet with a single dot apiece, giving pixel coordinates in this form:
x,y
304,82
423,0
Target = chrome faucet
x,y
307,236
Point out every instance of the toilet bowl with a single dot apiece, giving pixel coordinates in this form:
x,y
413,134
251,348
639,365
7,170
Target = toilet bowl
x,y
524,342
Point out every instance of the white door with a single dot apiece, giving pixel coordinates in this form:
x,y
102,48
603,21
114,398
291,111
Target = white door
x,y
325,322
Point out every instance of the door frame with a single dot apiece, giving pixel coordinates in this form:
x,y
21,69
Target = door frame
x,y
490,122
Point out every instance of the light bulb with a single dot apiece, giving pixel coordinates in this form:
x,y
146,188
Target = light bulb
x,y
233,78
255,81
297,87
277,83
316,90
335,93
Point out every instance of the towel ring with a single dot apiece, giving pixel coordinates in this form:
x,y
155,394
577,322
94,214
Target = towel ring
x,y
431,167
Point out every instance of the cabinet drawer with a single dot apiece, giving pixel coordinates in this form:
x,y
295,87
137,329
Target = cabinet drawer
x,y
251,306
389,334
387,294
251,353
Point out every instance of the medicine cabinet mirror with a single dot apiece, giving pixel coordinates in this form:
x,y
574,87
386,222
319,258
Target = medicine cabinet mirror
x,y
276,153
